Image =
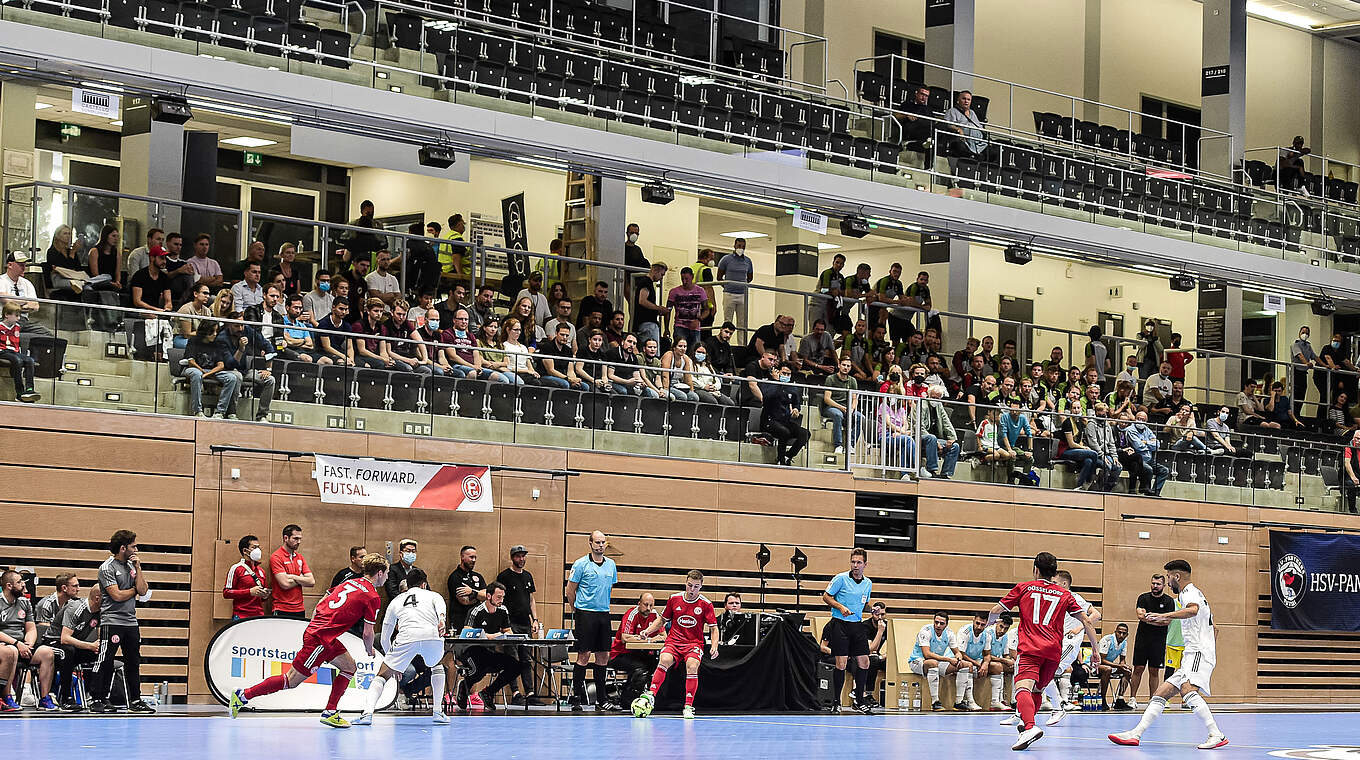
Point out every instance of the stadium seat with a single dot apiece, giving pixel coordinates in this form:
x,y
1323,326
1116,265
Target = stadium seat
x,y
407,392
653,416
440,395
532,405
623,414
197,21
371,388
233,28
160,16
473,399
300,382
682,419
303,40
335,47
267,34
334,387
502,399
566,407
124,13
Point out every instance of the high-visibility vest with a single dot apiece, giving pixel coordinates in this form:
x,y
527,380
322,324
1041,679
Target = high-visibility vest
x,y
448,252
699,268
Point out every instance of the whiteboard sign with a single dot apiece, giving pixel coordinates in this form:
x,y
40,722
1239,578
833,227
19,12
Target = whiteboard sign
x,y
96,103
1274,302
810,221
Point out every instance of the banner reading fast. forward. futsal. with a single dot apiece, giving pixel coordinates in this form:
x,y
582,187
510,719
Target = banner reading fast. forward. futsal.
x,y
373,483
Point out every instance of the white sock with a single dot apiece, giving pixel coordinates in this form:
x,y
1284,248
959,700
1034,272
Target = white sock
x,y
375,690
933,681
1051,694
1202,711
997,687
1065,686
962,681
437,688
1153,711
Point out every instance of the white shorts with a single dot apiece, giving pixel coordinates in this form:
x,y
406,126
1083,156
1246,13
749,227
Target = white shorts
x,y
1070,652
919,667
399,657
1195,669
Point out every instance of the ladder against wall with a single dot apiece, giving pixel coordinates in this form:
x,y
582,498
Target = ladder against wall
x,y
578,235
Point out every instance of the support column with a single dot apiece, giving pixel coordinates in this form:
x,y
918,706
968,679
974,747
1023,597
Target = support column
x,y
1223,97
1317,95
795,268
151,164
814,56
20,162
958,253
611,222
949,42
1090,78
1219,328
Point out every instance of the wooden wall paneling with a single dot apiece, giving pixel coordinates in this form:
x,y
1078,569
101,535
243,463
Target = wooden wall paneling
x,y
984,514
293,476
534,457
638,490
458,452
794,530
228,433
91,488
655,522
651,552
120,424
1012,543
308,440
203,623
61,523
597,462
787,501
516,491
83,451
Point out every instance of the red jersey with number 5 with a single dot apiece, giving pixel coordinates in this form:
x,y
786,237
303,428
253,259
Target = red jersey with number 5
x,y
345,605
1044,607
689,620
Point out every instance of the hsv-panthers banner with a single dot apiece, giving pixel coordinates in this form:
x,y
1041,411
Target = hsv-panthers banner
x,y
1314,582
373,483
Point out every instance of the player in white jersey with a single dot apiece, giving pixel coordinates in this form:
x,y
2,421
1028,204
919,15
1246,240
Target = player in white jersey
x,y
1191,679
418,617
971,648
1060,687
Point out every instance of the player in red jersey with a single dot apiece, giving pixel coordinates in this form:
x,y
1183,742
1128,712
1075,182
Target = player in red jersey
x,y
1043,606
690,615
354,600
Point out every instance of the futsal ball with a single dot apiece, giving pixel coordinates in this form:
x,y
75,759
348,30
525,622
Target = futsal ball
x,y
642,707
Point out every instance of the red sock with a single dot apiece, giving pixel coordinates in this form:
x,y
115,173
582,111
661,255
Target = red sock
x,y
1025,704
338,686
658,678
691,686
267,686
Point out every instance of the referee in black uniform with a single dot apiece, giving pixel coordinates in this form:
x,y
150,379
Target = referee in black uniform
x,y
1149,644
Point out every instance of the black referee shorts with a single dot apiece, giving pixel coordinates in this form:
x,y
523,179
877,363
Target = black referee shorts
x,y
1149,649
847,639
593,632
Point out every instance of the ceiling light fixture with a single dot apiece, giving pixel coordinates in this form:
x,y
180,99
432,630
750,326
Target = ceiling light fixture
x,y
827,246
746,234
41,106
1274,13
249,142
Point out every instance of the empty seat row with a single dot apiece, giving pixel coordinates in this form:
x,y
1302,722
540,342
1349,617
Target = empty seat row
x,y
1191,467
477,399
1068,129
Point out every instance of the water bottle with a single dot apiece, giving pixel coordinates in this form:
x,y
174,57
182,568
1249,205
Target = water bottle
x,y
163,693
903,699
916,696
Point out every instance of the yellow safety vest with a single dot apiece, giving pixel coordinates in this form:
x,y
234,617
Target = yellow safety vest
x,y
447,253
698,268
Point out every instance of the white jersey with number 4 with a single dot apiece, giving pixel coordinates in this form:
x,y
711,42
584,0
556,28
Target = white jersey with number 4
x,y
1072,627
418,614
1198,631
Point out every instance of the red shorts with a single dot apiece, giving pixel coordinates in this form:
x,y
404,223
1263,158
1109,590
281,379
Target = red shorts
x,y
1040,670
684,651
316,652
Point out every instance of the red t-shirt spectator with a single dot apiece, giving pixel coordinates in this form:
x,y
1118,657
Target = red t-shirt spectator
x,y
241,578
9,338
287,599
1178,358
633,624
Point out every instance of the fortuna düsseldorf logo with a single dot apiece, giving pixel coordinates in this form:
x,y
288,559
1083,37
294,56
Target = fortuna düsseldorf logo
x,y
472,488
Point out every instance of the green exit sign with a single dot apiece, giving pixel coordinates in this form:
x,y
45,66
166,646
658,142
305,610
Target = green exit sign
x,y
70,130
253,159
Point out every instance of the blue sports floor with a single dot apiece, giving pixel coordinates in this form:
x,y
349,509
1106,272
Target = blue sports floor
x,y
720,737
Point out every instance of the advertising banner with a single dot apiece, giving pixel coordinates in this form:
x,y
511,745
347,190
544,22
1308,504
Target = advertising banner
x,y
249,651
408,485
1314,582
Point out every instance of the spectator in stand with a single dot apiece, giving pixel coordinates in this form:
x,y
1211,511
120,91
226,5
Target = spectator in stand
x,y
624,371
1249,408
838,405
1220,435
1130,372
1143,439
246,585
254,255
244,349
316,304
1305,358
21,364
938,437
1335,358
455,256
690,304
637,665
648,313
382,284
597,302
1158,385
987,433
1339,421
886,364
18,637
678,376
962,363
372,351
355,272
735,270
1073,447
961,120
1280,410
1150,354
482,310
914,350
533,329
831,283
406,345
1122,399
355,568
589,367
858,346
533,290
1097,354
1005,368
15,288
207,269
894,429
1055,359
705,270
890,292
422,258
106,260
298,343
1015,437
491,350
1350,472
460,355
555,365
650,360
632,252
1290,171
917,296
979,394
333,335
287,266
616,329
205,357
1182,429
1167,406
918,122
782,417
79,640
707,382
1178,358
139,258
916,381
519,367
817,352
562,317
771,337
291,574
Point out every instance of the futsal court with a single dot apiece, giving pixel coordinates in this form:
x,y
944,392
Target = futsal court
x,y
211,735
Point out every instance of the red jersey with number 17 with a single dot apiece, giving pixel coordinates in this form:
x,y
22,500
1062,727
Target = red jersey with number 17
x,y
689,620
345,605
1044,607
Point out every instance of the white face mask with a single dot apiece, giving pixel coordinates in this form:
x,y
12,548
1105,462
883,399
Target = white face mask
x,y
632,237
255,554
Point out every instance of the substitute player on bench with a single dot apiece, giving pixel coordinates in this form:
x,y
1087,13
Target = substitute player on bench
x,y
1044,606
354,600
1191,679
419,617
689,614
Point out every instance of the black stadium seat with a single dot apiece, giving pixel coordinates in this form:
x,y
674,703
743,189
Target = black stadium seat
x,y
440,392
408,392
335,46
303,40
197,20
233,28
371,388
267,34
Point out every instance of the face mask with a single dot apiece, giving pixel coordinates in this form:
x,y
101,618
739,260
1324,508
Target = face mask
x,y
1303,336
700,357
408,557
632,237
1336,344
255,554
323,287
1222,416
784,378
739,250
433,323
919,378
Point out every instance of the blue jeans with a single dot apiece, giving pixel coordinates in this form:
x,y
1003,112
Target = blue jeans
x,y
633,390
690,336
1190,444
930,446
899,451
648,330
180,341
21,367
231,385
682,395
837,417
1158,471
1089,460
